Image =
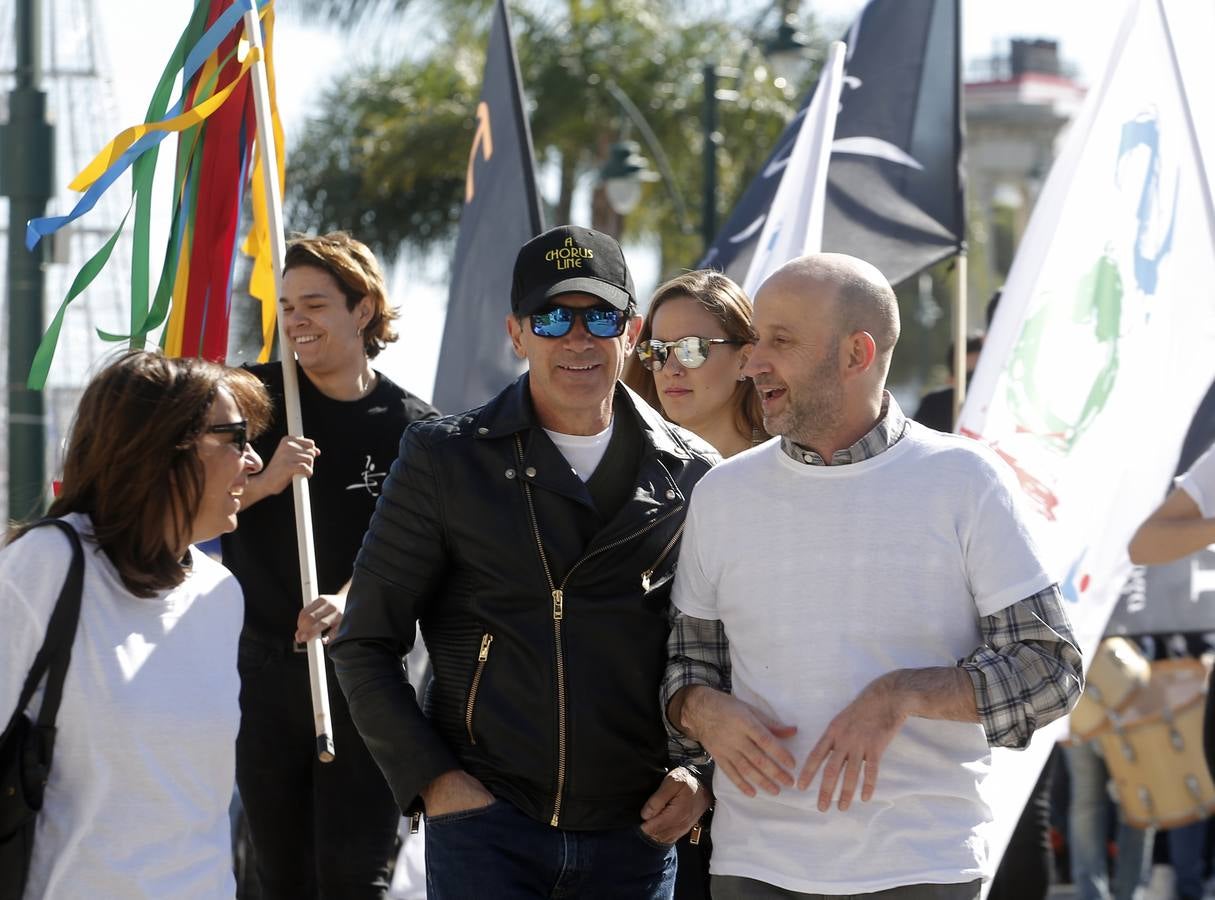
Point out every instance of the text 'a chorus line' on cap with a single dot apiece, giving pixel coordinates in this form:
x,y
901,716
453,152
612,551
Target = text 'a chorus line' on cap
x,y
567,260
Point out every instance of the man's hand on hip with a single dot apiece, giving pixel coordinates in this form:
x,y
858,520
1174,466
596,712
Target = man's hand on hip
x,y
675,807
856,738
455,791
744,742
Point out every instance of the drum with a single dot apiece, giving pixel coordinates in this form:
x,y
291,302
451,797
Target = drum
x,y
1118,670
1153,749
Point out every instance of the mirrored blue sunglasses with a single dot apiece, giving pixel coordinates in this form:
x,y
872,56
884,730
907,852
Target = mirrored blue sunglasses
x,y
599,321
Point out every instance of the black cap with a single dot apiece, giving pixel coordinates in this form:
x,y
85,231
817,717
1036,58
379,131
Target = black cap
x,y
568,260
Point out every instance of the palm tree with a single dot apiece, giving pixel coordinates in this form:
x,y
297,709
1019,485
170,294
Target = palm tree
x,y
388,158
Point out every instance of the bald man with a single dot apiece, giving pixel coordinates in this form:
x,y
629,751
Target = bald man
x,y
860,606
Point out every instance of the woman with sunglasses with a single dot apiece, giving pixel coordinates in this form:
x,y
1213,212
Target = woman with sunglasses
x,y
688,365
137,801
690,357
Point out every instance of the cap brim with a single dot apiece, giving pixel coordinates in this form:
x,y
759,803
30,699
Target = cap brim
x,y
593,286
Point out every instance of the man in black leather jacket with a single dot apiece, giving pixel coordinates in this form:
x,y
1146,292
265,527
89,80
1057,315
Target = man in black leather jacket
x,y
534,539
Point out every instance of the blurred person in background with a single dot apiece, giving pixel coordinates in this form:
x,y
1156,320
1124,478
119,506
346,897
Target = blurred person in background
x,y
1184,524
936,407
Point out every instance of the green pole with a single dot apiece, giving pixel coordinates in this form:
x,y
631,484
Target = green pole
x,y
708,122
708,129
26,153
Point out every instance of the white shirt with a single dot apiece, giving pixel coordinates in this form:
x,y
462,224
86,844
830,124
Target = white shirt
x,y
141,780
825,578
1199,482
583,451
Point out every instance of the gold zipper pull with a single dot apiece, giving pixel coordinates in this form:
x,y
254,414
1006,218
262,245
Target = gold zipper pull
x,y
558,605
694,834
645,580
485,642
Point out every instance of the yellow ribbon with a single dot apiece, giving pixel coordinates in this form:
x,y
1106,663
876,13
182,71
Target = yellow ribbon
x,y
176,329
188,119
257,242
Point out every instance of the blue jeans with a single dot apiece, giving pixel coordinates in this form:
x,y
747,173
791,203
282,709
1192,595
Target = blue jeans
x,y
1187,850
499,852
1088,823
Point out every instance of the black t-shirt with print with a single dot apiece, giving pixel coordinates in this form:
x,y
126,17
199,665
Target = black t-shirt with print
x,y
358,441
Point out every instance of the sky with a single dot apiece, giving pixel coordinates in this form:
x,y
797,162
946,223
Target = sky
x,y
308,56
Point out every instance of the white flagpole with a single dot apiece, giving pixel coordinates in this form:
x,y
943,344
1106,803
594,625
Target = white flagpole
x,y
959,337
291,391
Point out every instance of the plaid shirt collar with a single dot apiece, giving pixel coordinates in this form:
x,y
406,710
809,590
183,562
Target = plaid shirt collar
x,y
889,430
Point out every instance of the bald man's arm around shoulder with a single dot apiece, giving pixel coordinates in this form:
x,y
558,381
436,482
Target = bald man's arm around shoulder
x,y
1027,673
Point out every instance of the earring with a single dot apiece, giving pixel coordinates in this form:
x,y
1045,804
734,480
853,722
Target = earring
x,y
742,377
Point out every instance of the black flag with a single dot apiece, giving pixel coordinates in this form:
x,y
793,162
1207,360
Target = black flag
x,y
894,184
501,213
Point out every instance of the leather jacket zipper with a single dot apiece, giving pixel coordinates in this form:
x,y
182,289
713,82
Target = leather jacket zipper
x,y
646,575
482,657
558,598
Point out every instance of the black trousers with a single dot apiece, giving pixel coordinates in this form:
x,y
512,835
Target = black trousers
x,y
1208,726
319,830
1025,871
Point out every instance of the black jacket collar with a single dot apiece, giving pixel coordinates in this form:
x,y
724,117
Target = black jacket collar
x,y
512,412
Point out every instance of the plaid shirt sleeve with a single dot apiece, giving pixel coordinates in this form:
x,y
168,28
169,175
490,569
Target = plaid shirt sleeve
x,y
1028,671
697,653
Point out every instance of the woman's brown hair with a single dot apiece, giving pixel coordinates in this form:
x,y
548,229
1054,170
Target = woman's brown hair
x,y
354,267
725,301
132,464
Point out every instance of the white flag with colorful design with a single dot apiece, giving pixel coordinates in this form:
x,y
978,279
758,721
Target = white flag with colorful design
x,y
1104,341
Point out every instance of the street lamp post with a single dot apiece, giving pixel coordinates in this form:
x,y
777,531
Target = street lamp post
x,y
26,149
626,164
623,174
786,52
708,124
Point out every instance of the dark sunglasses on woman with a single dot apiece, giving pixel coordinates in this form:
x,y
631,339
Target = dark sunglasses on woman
x,y
692,352
239,431
599,321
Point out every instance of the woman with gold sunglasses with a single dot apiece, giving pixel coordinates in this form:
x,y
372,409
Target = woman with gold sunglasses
x,y
689,360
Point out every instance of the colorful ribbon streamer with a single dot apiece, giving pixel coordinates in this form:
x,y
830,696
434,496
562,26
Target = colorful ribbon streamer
x,y
215,124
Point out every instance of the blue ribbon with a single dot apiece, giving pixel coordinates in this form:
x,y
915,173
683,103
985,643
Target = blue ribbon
x,y
37,229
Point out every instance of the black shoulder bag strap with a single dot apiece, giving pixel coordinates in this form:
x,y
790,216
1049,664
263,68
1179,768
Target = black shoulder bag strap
x,y
56,651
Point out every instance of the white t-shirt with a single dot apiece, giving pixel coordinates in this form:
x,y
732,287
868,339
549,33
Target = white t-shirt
x,y
141,780
583,451
825,578
1199,482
